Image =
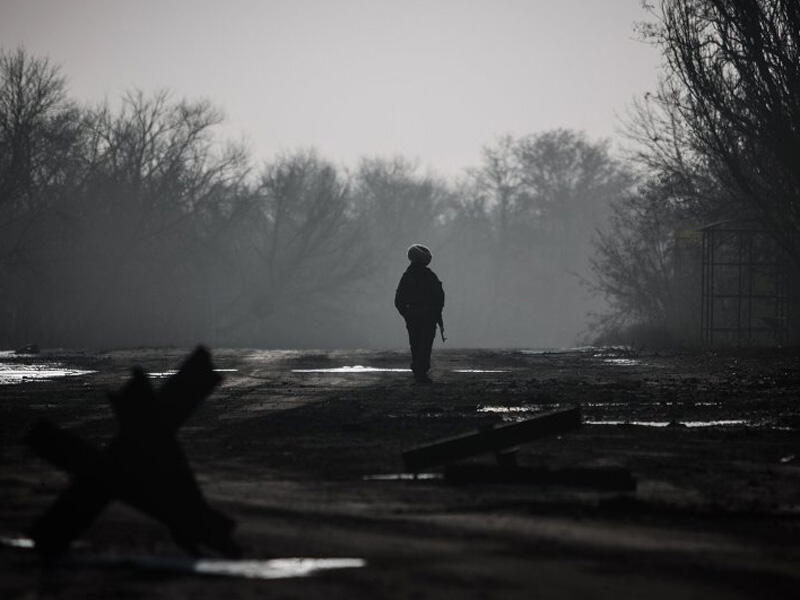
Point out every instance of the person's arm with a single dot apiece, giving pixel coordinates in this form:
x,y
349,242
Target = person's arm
x,y
399,296
439,303
439,296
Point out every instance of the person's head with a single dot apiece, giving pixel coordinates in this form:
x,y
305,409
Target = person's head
x,y
419,254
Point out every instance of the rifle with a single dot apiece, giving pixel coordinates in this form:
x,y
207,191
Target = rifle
x,y
440,322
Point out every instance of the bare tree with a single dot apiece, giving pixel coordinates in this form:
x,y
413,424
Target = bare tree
x,y
401,204
301,247
555,183
38,134
646,265
544,194
733,77
155,177
499,181
570,183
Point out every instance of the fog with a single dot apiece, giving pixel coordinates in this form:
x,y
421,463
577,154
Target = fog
x,y
137,227
138,217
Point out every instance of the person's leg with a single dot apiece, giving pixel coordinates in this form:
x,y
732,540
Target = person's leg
x,y
412,343
427,335
420,335
420,354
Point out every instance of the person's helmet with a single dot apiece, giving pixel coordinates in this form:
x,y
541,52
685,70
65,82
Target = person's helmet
x,y
419,254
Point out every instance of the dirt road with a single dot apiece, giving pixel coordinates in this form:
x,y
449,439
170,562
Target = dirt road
x,y
305,454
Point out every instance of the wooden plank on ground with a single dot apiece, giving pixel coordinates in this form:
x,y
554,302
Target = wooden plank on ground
x,y
491,440
601,478
143,465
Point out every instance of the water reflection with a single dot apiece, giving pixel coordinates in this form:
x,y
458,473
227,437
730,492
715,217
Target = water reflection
x,y
276,568
403,476
353,369
716,423
162,374
16,542
622,362
18,373
540,351
514,409
363,369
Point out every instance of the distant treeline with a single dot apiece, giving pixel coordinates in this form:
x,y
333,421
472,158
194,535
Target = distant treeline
x,y
718,141
136,225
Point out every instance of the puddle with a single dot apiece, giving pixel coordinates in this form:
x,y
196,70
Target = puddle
x,y
275,568
16,542
540,351
638,423
363,369
162,374
509,410
512,409
402,477
622,362
18,373
719,423
353,369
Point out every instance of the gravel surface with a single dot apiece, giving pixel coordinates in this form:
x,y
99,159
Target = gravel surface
x,y
306,456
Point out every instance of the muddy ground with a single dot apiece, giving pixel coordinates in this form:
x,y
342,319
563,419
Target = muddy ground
x,y
712,439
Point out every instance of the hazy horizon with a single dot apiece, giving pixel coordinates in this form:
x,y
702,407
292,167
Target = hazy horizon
x,y
169,240
432,81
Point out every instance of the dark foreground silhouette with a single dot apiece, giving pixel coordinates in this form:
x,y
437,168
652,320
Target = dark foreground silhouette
x,y
419,298
310,465
143,466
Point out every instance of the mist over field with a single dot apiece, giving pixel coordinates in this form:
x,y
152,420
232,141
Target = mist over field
x,y
254,176
138,228
609,193
561,181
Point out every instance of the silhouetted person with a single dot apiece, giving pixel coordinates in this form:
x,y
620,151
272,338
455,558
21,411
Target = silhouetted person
x,y
420,299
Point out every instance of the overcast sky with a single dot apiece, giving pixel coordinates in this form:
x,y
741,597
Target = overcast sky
x,y
433,80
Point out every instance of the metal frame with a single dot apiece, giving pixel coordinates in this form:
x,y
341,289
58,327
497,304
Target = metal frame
x,y
757,272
